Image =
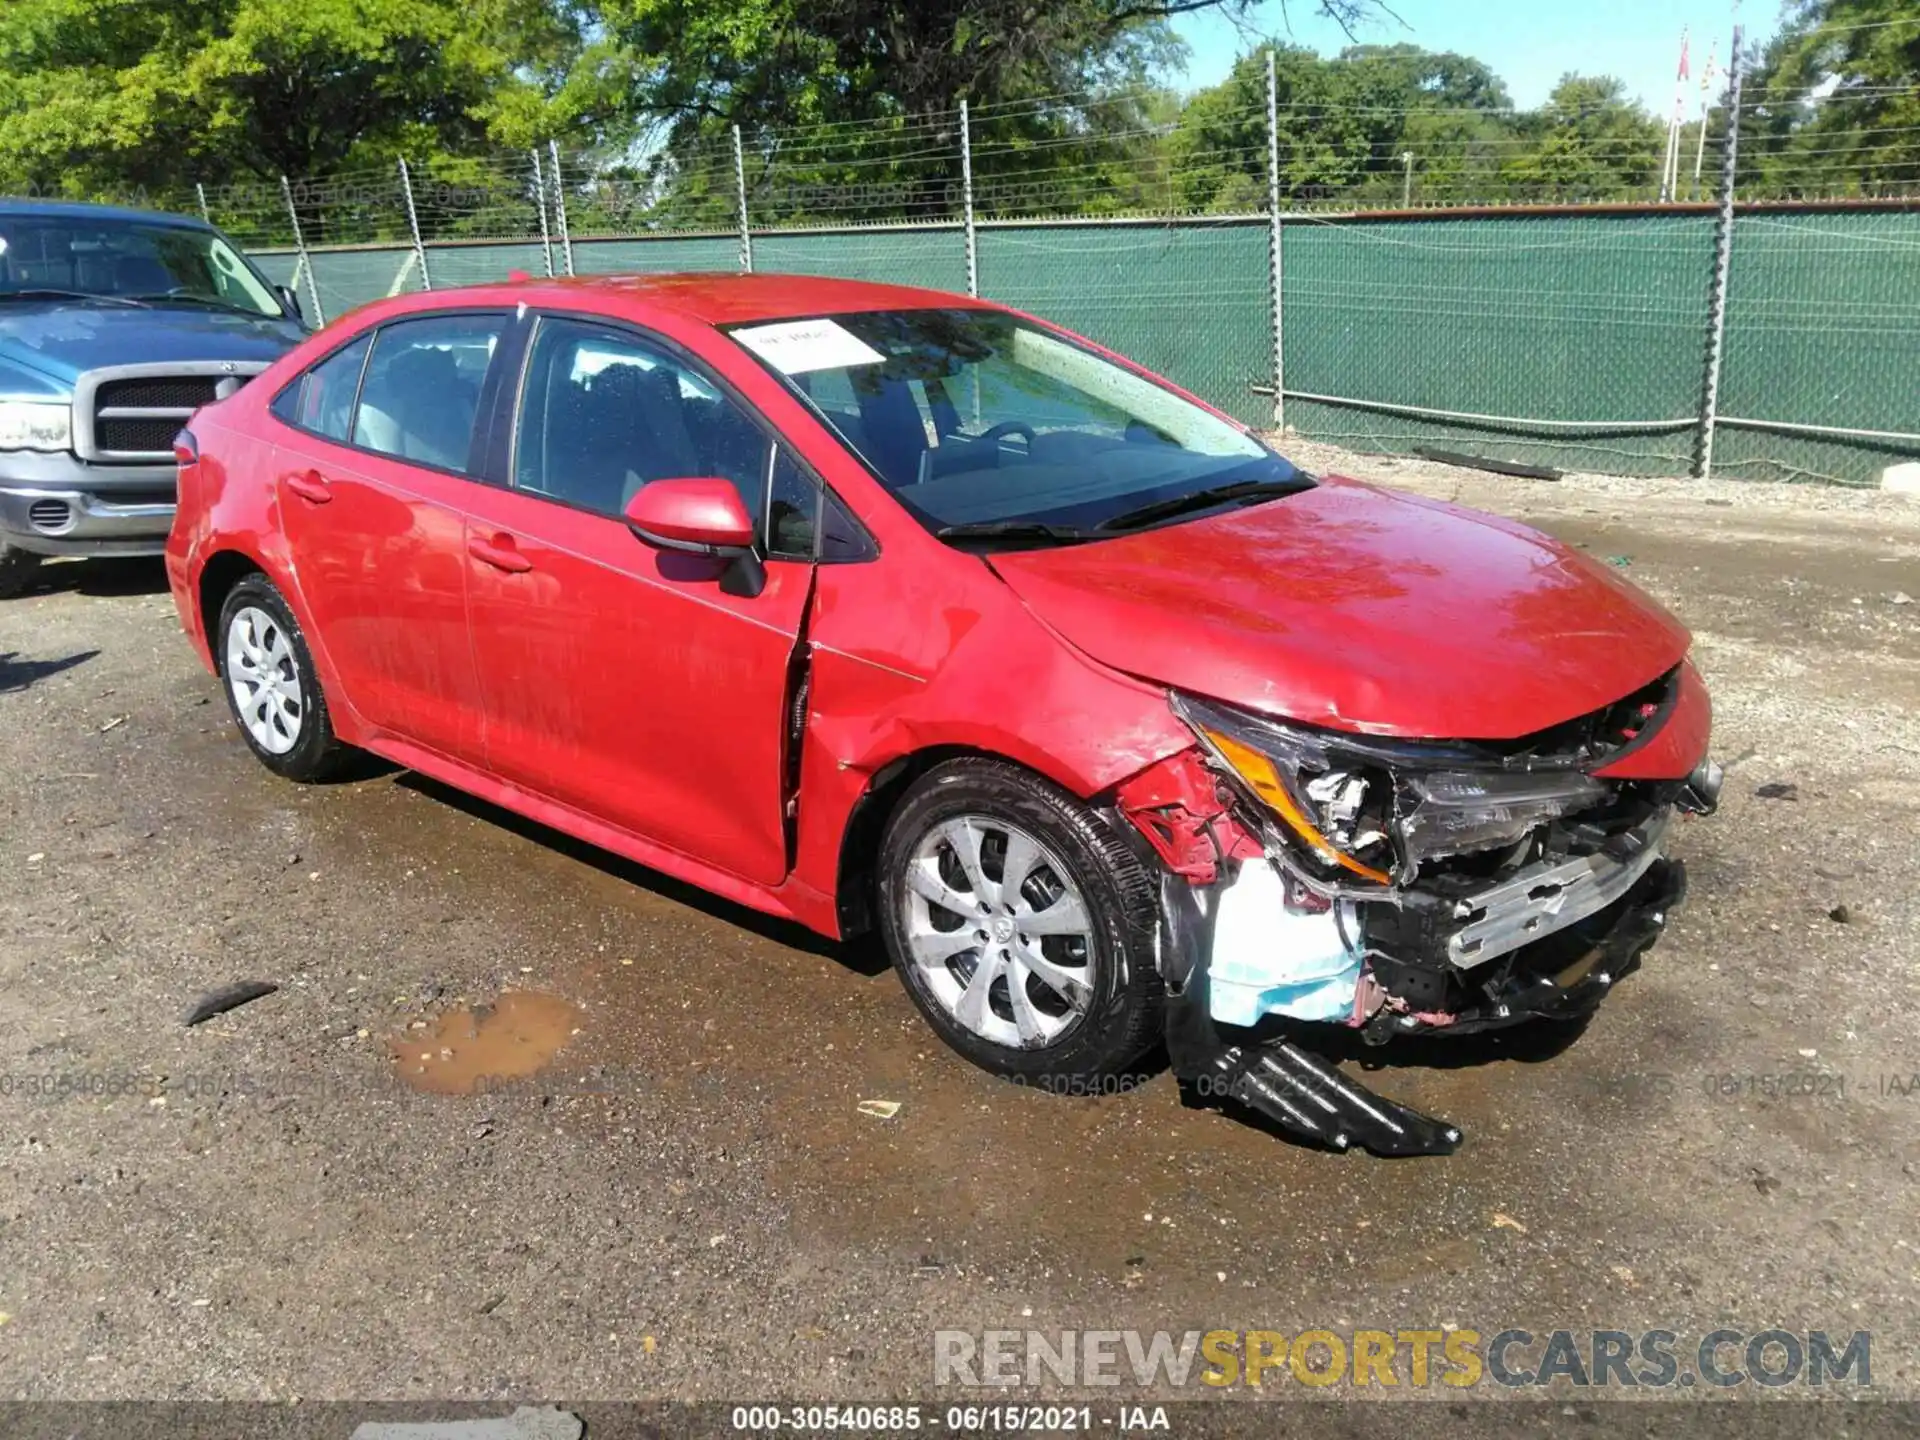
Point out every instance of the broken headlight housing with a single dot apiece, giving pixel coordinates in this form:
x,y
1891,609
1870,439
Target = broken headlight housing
x,y
1355,811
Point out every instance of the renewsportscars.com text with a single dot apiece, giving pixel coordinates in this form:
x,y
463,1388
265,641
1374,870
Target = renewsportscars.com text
x,y
1369,1359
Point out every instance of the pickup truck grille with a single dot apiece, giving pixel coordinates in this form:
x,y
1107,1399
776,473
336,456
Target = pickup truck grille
x,y
187,392
129,414
137,435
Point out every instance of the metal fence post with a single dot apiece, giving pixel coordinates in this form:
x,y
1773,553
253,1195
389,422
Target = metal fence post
x,y
560,206
201,191
740,194
1275,270
540,198
413,224
966,200
1722,258
300,248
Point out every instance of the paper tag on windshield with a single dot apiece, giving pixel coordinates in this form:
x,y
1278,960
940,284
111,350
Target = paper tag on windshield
x,y
794,347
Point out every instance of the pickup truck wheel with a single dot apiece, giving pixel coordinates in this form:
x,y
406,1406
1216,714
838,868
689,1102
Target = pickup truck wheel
x,y
1020,925
16,570
272,688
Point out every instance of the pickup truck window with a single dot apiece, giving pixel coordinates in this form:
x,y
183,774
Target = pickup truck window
x,y
129,260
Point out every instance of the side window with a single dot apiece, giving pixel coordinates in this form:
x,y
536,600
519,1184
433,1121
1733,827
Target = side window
x,y
793,508
808,522
842,538
423,387
603,413
323,397
286,405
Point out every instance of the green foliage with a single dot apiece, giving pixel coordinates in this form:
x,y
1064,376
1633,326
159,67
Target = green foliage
x,y
848,111
1836,100
112,95
1588,142
1348,126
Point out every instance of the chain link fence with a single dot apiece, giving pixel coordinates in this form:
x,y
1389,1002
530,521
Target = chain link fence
x,y
1284,262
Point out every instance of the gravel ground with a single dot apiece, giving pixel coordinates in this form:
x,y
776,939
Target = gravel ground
x,y
686,1202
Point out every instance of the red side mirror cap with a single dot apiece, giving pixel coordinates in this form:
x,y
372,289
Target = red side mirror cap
x,y
701,515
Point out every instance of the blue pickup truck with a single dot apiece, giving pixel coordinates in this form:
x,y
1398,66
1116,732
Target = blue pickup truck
x,y
115,325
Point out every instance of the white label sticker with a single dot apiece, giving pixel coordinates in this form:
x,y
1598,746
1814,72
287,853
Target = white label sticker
x,y
795,346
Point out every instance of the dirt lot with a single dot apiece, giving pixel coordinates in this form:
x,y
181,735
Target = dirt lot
x,y
686,1201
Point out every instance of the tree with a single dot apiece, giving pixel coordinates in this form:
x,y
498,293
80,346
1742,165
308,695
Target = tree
x,y
865,90
1343,123
1836,100
1588,142
111,94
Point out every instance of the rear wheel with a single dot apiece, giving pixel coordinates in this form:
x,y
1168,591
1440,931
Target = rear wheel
x,y
1020,925
16,570
272,688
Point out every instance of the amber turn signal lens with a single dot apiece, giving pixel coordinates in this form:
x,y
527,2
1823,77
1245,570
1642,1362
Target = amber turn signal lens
x,y
1259,772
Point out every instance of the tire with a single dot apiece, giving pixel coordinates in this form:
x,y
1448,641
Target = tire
x,y
1092,994
17,567
259,648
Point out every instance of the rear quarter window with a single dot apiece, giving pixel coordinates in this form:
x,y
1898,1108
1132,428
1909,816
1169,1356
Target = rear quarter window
x,y
322,399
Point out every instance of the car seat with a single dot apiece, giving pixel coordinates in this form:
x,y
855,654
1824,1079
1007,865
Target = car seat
x,y
143,275
432,405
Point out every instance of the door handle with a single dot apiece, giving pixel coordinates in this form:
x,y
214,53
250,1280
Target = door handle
x,y
500,553
310,486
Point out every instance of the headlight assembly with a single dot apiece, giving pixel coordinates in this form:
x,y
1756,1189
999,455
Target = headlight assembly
x,y
1355,808
1456,812
35,425
1334,813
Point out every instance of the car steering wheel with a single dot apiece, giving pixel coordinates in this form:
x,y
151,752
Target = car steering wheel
x,y
1006,428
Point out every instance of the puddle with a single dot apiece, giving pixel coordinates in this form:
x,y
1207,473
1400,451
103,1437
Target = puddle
x,y
486,1047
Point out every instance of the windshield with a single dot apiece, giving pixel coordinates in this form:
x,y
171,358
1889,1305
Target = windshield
x,y
127,260
978,418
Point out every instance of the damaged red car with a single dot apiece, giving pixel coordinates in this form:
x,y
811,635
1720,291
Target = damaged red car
x,y
884,609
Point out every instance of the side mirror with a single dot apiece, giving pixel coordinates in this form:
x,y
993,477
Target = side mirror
x,y
289,302
700,517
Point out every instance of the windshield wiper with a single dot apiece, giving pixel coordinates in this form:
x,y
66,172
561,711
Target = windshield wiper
x,y
1201,499
1019,530
183,297
47,292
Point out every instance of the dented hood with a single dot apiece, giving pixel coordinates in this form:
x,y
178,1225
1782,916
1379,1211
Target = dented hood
x,y
1360,609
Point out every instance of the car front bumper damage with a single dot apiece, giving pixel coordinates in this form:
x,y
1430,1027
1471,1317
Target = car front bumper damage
x,y
1445,956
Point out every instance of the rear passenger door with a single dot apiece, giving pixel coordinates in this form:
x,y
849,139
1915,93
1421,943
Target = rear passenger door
x,y
372,483
620,680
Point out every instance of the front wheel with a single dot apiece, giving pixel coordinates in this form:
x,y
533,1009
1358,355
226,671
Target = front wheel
x,y
1020,924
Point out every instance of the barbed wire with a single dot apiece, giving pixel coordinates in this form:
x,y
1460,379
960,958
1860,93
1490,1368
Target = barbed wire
x,y
1097,153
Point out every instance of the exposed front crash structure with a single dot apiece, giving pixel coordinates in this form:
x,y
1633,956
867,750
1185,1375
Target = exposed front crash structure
x,y
1398,887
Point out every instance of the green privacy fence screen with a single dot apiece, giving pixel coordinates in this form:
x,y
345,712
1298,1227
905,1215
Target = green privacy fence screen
x,y
1584,336
1190,301
1823,325
1577,341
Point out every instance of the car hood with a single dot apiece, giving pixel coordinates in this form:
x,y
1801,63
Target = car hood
x,y
62,338
1360,609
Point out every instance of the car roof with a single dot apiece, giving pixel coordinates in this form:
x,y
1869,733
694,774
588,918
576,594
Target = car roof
x,y
719,298
75,210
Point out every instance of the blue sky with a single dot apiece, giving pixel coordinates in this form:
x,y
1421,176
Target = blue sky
x,y
1529,43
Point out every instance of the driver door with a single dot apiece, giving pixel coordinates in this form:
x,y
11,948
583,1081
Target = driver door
x,y
616,679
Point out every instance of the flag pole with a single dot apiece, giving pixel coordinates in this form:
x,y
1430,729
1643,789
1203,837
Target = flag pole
x,y
1670,166
1706,86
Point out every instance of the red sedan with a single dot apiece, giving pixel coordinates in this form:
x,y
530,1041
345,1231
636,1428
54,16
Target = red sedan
x,y
877,607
